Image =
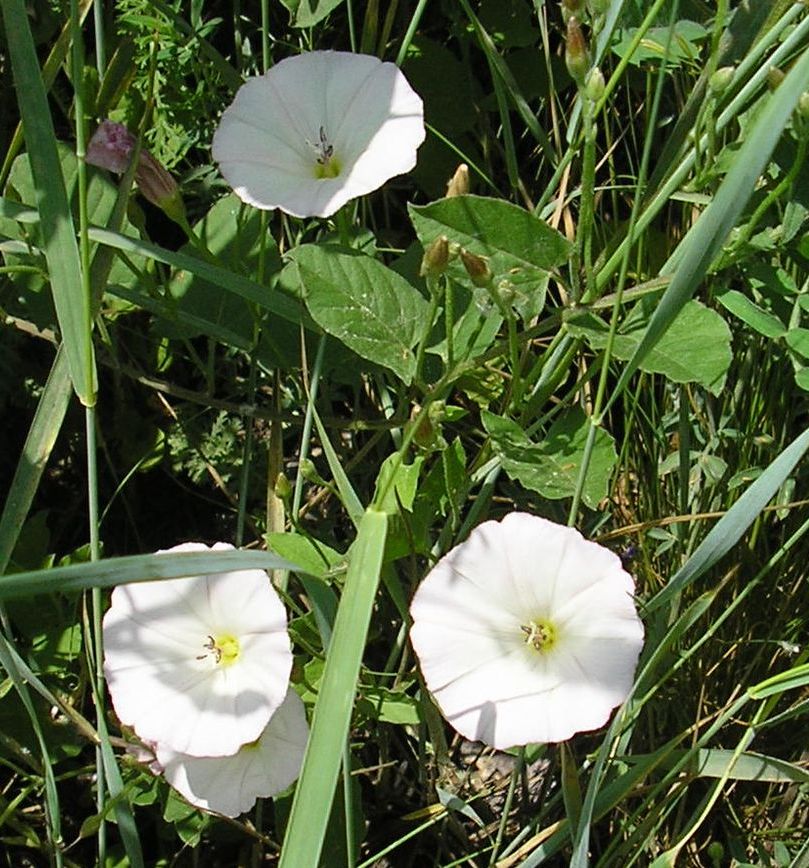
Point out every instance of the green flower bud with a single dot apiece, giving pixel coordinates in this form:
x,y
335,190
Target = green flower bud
x,y
477,267
721,79
803,105
774,77
594,86
436,258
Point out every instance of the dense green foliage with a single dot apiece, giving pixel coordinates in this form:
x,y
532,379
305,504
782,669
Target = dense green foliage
x,y
637,365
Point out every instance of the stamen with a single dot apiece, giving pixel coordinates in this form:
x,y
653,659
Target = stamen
x,y
326,150
540,635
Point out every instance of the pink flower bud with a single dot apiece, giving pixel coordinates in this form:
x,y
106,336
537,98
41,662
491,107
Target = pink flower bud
x,y
110,147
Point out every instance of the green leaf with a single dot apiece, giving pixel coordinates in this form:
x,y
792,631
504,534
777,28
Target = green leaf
x,y
389,706
552,466
311,555
683,46
751,314
364,304
798,341
398,483
520,247
232,233
307,13
802,379
694,349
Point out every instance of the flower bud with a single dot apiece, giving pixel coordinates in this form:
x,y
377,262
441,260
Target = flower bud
x,y
803,105
158,186
719,81
576,51
594,86
774,77
283,488
477,267
459,182
571,8
436,258
110,147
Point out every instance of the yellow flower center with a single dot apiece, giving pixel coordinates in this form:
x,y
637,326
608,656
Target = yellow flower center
x,y
327,168
225,649
540,634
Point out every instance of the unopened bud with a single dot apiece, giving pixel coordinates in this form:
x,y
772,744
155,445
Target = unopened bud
x,y
506,292
594,87
111,147
423,430
719,81
774,77
282,488
477,268
571,8
576,51
459,182
158,186
803,105
436,258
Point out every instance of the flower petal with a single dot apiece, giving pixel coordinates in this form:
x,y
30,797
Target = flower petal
x,y
471,615
165,675
267,142
230,785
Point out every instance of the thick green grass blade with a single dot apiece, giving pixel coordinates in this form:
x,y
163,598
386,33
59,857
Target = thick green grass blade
x,y
124,817
704,241
56,221
729,529
332,716
136,568
42,435
351,501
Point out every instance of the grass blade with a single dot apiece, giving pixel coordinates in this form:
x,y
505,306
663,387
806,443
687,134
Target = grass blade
x,y
59,237
42,435
729,529
704,241
321,764
135,568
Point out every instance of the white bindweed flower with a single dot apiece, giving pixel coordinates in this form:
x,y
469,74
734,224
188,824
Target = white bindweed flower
x,y
198,664
526,632
230,785
317,130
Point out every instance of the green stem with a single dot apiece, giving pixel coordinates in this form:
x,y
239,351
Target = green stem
x,y
584,233
77,72
412,27
435,295
314,382
449,320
